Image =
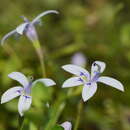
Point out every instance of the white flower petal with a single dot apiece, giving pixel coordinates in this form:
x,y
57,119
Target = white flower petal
x,y
67,125
76,70
11,94
24,104
43,14
7,36
111,82
71,82
19,77
88,91
45,81
97,66
20,29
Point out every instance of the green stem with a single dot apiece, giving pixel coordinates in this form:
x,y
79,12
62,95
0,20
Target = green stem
x,y
39,52
80,108
20,122
55,112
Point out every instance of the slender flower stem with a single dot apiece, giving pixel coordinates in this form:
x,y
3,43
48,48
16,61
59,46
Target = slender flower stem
x,y
80,108
39,52
56,112
20,122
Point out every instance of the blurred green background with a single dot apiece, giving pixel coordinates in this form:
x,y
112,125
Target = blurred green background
x,y
100,29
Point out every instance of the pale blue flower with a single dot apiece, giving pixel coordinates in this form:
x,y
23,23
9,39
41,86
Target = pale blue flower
x,y
67,125
89,82
79,59
28,27
23,91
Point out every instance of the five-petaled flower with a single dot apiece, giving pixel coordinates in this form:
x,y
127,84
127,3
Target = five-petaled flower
x,y
88,81
67,125
24,92
28,27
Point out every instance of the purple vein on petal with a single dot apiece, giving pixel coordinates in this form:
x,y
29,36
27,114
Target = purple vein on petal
x,y
80,80
96,76
26,96
82,74
19,91
88,83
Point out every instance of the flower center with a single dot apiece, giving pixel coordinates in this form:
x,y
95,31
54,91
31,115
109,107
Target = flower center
x,y
27,90
83,78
